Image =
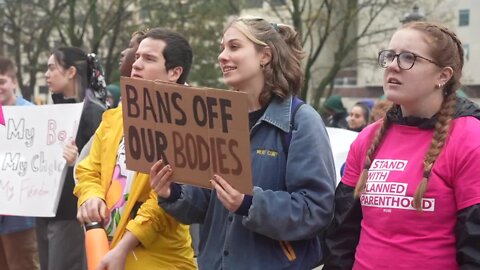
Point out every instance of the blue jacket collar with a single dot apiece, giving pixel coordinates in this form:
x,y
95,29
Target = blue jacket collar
x,y
278,113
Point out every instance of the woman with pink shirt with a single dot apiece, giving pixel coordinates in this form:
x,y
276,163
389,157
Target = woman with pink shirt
x,y
410,195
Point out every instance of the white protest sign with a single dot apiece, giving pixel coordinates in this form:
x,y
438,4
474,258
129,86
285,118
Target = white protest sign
x,y
340,140
31,162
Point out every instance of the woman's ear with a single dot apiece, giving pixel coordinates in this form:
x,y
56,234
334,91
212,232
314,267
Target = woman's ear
x,y
71,72
266,56
445,75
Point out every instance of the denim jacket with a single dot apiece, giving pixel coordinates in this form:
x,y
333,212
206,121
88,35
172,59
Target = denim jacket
x,y
292,201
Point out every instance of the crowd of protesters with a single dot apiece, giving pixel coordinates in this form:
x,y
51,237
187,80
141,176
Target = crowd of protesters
x,y
409,196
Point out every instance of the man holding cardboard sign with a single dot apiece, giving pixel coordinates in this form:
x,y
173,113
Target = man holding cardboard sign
x,y
122,199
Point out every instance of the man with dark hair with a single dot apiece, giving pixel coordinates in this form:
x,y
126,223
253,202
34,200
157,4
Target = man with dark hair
x,y
176,51
142,235
18,243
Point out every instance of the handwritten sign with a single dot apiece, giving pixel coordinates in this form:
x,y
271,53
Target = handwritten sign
x,y
31,162
340,140
2,119
198,131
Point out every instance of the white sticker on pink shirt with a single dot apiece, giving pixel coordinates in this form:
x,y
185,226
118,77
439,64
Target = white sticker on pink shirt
x,y
389,195
388,165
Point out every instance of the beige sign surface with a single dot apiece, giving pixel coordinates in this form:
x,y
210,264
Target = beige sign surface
x,y
198,131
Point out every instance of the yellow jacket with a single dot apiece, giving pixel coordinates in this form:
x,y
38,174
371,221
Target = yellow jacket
x,y
165,243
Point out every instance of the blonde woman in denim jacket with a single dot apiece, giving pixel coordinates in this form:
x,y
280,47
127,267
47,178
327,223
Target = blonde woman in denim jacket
x,y
293,194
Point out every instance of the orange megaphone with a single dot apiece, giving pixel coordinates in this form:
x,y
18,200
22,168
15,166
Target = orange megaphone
x,y
96,244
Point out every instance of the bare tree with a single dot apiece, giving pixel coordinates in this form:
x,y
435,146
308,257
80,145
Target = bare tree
x,y
29,32
320,22
27,26
201,22
94,25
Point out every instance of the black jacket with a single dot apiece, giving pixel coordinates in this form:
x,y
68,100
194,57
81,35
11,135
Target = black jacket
x,y
89,121
338,120
344,232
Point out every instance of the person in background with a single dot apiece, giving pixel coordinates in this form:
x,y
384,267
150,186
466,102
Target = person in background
x,y
410,196
380,109
358,117
368,102
18,239
292,203
336,114
72,76
142,235
127,57
113,95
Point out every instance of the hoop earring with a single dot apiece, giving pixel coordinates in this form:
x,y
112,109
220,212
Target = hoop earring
x,y
262,66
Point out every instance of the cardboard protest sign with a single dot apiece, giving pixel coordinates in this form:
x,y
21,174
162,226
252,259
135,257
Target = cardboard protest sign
x,y
198,131
31,162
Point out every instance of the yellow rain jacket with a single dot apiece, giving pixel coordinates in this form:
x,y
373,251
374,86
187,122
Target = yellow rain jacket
x,y
165,243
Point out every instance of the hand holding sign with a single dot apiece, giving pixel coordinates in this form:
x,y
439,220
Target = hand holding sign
x,y
160,179
229,196
70,152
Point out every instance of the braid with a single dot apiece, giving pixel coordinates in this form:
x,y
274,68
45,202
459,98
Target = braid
x,y
453,84
454,38
438,141
362,180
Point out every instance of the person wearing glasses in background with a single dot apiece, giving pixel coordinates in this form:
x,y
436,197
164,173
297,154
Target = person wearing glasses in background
x,y
410,195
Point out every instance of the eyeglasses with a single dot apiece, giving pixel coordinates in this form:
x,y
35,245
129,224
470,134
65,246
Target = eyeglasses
x,y
405,60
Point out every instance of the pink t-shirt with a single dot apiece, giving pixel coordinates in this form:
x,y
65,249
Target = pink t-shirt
x,y
394,235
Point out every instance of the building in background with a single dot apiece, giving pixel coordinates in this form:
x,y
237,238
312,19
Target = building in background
x,y
359,75
355,76
462,16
